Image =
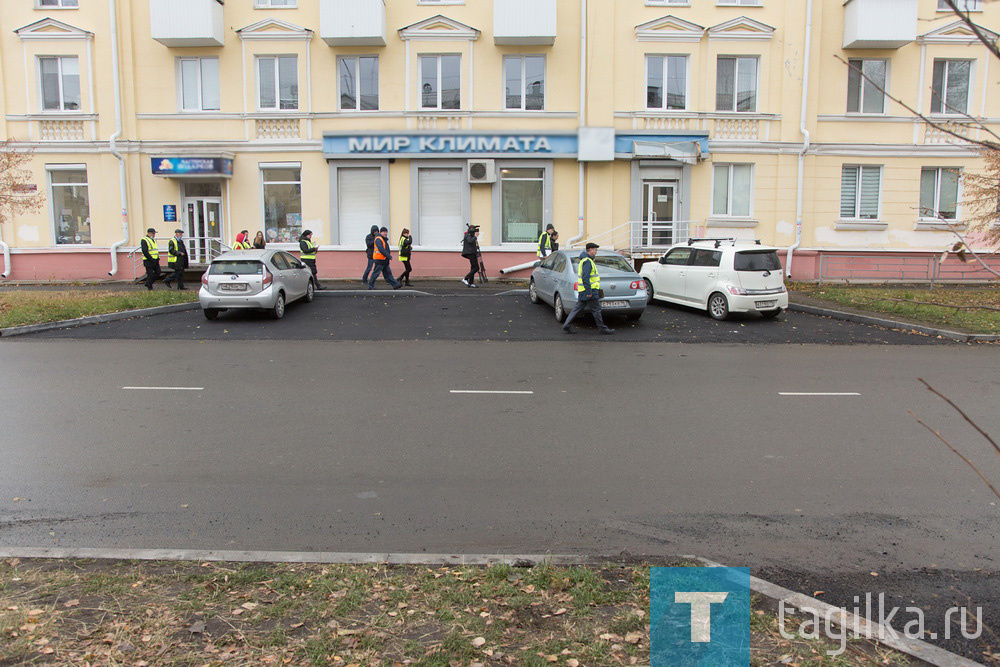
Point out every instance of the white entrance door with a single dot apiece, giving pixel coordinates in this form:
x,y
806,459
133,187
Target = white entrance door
x,y
659,210
203,222
441,222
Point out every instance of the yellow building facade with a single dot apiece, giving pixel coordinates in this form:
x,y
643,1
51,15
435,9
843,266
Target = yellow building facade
x,y
633,123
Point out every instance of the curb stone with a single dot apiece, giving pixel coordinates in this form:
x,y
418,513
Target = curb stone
x,y
97,319
894,324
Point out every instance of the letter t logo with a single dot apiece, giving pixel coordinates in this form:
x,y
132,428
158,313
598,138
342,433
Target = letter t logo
x,y
701,612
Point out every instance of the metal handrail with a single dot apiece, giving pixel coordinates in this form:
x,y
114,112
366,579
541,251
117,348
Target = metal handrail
x,y
201,250
639,235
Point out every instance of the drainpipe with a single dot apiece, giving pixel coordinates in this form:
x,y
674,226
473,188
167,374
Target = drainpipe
x,y
583,114
805,144
114,137
6,255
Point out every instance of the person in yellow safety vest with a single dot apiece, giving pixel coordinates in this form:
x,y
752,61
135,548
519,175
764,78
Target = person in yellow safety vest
x,y
308,255
177,259
242,241
405,248
150,257
545,241
588,291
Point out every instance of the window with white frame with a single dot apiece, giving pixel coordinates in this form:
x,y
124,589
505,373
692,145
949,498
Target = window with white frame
x,y
666,82
358,80
950,86
939,193
736,84
275,4
60,79
524,82
282,194
741,3
70,203
522,204
277,82
732,190
866,83
661,3
57,4
199,84
860,187
441,82
961,5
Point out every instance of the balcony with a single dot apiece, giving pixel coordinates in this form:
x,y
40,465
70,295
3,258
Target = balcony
x,y
178,23
352,22
524,22
879,24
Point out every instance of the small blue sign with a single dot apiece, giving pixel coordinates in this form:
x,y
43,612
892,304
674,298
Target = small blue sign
x,y
192,166
699,616
169,213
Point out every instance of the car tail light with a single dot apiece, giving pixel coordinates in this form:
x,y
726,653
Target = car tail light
x,y
268,278
638,284
204,279
576,286
736,290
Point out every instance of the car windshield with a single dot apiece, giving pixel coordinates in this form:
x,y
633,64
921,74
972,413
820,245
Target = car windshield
x,y
237,266
757,260
614,262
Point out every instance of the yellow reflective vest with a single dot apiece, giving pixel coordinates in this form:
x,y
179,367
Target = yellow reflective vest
x,y
150,247
310,251
595,277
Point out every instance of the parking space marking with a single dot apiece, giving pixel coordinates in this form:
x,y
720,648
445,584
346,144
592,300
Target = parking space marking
x,y
486,391
819,393
169,388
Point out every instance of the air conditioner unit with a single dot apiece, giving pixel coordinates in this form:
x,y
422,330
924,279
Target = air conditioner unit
x,y
482,171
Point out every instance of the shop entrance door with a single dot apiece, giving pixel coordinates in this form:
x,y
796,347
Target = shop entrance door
x,y
659,208
203,221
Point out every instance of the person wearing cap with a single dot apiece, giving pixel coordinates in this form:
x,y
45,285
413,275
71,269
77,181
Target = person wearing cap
x,y
369,249
242,241
588,288
150,257
380,257
545,241
405,249
177,259
308,254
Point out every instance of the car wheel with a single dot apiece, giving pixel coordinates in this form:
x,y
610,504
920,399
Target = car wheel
x,y
533,292
211,313
718,307
560,310
310,292
771,314
649,292
278,311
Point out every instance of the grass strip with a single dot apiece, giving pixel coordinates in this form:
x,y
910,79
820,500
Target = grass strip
x,y
18,308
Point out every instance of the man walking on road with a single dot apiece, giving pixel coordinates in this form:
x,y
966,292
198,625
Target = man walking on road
x,y
381,256
588,291
150,257
369,249
177,259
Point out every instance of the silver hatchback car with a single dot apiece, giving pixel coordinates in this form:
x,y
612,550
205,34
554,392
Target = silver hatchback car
x,y
554,281
258,279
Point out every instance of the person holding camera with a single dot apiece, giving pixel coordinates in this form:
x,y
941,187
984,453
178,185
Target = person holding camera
x,y
470,250
588,291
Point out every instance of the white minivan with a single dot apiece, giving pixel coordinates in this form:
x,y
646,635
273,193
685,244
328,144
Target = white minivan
x,y
722,276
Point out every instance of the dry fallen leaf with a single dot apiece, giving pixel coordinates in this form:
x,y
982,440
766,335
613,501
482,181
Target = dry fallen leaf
x,y
572,662
72,603
249,605
633,637
478,641
559,612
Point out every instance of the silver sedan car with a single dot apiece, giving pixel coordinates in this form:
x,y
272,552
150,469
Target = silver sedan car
x,y
258,279
554,281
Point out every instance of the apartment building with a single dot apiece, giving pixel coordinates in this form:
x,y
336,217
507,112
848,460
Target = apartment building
x,y
635,123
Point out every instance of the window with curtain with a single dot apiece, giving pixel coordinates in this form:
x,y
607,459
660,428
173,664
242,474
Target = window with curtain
x,y
199,84
866,79
666,82
736,84
732,190
282,193
939,193
950,86
60,78
860,186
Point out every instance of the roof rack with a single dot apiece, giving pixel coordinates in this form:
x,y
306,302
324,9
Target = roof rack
x,y
718,241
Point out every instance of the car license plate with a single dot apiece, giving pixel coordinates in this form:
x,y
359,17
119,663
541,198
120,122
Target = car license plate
x,y
765,304
614,304
233,287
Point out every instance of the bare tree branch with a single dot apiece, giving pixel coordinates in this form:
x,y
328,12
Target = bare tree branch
x,y
976,30
964,416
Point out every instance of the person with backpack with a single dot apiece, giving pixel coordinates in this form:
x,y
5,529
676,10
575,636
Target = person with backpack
x,y
405,248
369,249
380,258
470,251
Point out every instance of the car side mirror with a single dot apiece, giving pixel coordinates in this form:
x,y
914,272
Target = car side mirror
x,y
537,264
663,260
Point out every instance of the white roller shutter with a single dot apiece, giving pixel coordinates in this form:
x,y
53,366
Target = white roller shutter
x,y
360,193
441,223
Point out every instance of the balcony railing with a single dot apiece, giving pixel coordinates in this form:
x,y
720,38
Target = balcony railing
x,y
720,127
277,128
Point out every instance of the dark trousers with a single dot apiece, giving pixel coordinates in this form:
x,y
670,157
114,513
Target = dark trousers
x,y
311,263
470,277
152,272
178,275
405,277
383,268
594,306
364,276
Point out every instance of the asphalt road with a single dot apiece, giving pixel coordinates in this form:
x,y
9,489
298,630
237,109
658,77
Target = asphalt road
x,y
654,448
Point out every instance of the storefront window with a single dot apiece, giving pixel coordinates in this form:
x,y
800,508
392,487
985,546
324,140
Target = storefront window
x,y
70,205
282,203
522,202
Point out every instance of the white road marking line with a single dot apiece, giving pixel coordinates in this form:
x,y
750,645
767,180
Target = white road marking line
x,y
819,393
169,388
484,391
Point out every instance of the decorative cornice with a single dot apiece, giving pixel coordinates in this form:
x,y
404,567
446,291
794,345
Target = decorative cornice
x,y
669,29
50,28
955,33
439,28
741,28
275,29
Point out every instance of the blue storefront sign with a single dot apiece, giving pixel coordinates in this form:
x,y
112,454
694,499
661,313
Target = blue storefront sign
x,y
169,213
192,166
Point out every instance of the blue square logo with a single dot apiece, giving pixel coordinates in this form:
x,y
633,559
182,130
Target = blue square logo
x,y
699,616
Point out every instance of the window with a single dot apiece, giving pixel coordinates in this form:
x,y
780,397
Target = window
x,y
962,5
684,3
57,4
736,84
275,4
859,192
522,204
732,190
278,82
706,258
666,82
939,193
741,3
199,84
524,82
70,204
440,82
757,260
60,83
282,189
950,88
866,80
358,83
613,262
678,257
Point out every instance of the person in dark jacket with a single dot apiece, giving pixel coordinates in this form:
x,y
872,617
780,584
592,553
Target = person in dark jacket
x,y
470,251
258,241
369,249
308,254
405,249
545,242
588,296
177,259
150,257
380,257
